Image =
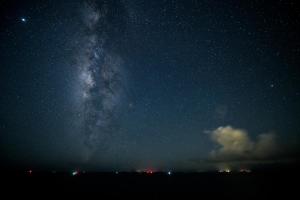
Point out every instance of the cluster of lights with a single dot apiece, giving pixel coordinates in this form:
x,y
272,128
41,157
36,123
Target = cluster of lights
x,y
245,170
149,172
73,173
146,171
224,170
228,171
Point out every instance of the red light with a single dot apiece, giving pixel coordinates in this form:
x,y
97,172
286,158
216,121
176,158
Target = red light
x,y
149,172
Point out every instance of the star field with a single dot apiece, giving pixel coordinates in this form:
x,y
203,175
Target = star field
x,y
136,84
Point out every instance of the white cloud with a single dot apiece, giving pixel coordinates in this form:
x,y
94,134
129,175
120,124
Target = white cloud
x,y
235,145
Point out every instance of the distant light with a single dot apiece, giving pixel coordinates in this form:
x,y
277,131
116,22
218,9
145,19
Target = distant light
x,y
29,172
245,170
23,19
169,173
74,173
117,172
224,171
149,172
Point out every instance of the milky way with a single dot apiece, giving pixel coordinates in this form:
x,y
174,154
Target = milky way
x,y
136,84
101,80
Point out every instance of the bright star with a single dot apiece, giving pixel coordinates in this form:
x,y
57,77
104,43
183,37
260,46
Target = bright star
x,y
23,19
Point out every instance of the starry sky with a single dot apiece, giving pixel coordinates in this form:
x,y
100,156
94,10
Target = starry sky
x,y
169,84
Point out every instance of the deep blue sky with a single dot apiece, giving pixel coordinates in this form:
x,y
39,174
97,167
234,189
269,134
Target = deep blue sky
x,y
139,84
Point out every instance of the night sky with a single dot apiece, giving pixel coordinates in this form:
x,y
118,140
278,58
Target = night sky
x,y
166,84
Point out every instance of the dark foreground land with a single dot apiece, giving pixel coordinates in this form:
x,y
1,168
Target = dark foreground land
x,y
145,186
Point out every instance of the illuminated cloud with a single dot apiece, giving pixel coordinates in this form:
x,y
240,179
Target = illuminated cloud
x,y
236,145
